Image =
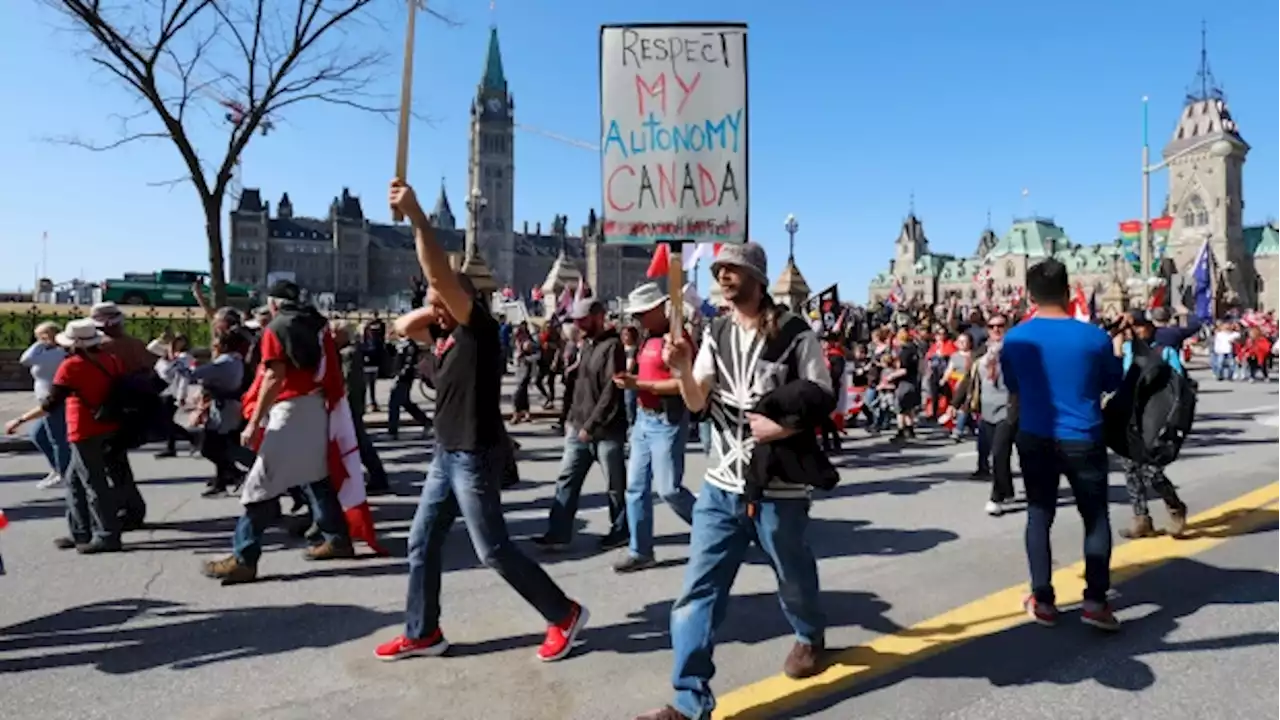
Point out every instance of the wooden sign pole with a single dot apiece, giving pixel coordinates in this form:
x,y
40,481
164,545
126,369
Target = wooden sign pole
x,y
675,288
406,103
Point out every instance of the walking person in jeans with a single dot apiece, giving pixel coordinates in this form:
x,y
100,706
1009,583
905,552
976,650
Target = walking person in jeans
x,y
727,377
49,433
1057,369
983,390
659,433
472,450
80,388
595,430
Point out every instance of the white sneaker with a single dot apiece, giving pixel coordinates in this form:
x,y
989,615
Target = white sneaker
x,y
994,509
51,481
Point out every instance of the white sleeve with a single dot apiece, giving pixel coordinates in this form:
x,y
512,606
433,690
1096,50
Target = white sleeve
x,y
810,363
704,363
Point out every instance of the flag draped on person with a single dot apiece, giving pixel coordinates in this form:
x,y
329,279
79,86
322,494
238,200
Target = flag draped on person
x,y
345,469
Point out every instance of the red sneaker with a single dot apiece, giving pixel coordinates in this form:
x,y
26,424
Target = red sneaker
x,y
561,635
1099,615
1045,614
401,647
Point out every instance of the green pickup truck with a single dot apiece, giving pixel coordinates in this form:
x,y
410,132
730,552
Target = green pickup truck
x,y
168,288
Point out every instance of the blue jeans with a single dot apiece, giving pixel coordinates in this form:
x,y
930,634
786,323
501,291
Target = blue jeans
x,y
657,458
466,483
629,402
704,437
326,512
49,433
1084,463
574,466
722,532
1223,365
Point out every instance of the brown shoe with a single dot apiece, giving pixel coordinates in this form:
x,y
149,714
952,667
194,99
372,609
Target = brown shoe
x,y
664,713
1141,527
1178,522
803,661
330,550
230,571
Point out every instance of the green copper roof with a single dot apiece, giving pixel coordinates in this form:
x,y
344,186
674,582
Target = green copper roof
x,y
1032,237
1262,240
494,79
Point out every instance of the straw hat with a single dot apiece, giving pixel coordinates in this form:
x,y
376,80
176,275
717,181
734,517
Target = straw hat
x,y
79,334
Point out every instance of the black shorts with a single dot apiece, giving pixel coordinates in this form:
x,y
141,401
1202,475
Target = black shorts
x,y
907,397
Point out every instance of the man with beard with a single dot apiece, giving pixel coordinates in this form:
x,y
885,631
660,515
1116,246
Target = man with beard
x,y
758,348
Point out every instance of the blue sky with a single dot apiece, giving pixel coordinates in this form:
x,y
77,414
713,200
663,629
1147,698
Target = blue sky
x,y
855,108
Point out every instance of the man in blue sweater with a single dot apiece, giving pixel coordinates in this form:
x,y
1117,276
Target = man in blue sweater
x,y
1057,369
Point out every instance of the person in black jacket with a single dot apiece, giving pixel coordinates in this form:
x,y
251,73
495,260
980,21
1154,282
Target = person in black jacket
x,y
595,430
402,392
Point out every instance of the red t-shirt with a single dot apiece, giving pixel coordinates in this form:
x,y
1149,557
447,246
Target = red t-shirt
x,y
651,367
89,386
297,381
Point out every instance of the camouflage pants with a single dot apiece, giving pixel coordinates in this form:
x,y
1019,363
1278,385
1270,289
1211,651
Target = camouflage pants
x,y
1141,480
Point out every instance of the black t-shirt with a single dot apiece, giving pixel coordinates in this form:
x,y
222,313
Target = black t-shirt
x,y
468,382
909,360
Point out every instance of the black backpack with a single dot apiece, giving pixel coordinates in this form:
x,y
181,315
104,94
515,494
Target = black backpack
x,y
1150,416
131,403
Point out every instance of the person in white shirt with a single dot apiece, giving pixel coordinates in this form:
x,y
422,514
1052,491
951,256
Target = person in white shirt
x,y
1223,360
728,377
49,433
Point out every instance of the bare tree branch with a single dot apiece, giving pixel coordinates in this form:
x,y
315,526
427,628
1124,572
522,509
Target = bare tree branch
x,y
241,64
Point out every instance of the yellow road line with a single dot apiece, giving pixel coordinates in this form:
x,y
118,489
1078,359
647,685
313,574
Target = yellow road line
x,y
994,613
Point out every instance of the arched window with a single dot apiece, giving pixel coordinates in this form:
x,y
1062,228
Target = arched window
x,y
1009,269
1194,213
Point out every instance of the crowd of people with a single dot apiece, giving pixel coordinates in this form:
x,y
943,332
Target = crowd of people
x,y
768,393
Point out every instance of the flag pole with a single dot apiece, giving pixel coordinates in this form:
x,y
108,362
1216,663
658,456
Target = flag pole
x,y
675,287
406,103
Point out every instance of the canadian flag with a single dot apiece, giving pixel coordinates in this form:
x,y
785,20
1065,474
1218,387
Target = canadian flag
x,y
345,469
1079,305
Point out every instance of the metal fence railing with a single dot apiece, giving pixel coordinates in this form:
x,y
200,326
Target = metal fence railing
x,y
18,324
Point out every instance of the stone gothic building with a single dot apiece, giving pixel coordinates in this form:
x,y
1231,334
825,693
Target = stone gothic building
x,y
368,264
1206,201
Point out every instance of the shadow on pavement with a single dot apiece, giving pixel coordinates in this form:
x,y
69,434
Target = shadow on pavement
x,y
1066,655
177,637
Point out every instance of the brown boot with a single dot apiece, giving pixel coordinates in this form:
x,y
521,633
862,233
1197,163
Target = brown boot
x,y
230,571
803,661
330,550
1141,528
1178,522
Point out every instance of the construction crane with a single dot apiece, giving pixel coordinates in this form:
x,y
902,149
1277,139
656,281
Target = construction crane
x,y
582,144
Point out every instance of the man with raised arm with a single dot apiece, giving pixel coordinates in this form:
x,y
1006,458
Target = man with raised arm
x,y
470,455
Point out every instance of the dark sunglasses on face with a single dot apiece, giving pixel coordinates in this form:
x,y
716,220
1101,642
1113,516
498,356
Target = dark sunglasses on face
x,y
995,326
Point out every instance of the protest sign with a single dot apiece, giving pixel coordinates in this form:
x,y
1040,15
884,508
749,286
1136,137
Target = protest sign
x,y
674,132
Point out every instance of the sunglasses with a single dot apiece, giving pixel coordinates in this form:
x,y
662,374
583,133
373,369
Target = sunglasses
x,y
995,326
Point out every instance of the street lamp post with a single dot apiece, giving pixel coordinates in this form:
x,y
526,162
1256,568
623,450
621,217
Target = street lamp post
x,y
1217,148
792,226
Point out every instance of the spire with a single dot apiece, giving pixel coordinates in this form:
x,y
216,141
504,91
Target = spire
x,y
494,80
442,213
1205,86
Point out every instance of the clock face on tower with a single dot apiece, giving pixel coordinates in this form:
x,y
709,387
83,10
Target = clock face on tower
x,y
495,105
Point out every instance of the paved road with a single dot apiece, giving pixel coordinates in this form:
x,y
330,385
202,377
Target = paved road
x,y
902,540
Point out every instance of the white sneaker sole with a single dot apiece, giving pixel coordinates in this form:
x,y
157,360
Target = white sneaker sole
x,y
436,650
583,616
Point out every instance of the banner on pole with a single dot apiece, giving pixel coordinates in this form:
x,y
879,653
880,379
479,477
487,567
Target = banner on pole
x,y
824,311
673,128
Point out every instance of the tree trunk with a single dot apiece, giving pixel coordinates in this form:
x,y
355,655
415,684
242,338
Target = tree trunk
x,y
213,233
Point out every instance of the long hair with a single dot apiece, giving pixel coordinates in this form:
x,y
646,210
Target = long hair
x,y
770,315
